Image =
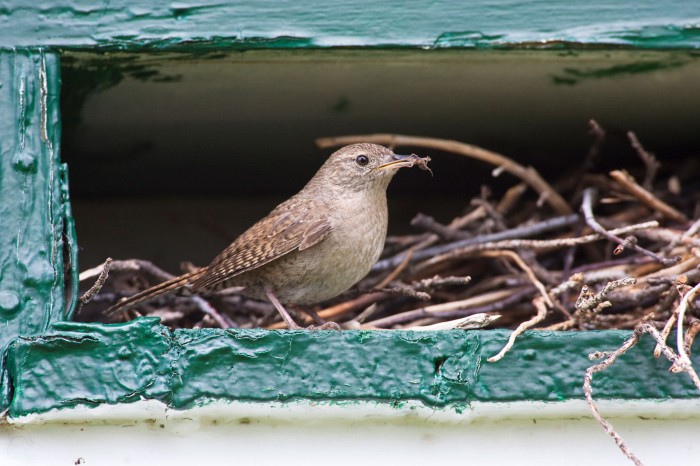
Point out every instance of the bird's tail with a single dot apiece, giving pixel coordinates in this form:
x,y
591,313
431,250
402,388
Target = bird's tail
x,y
154,291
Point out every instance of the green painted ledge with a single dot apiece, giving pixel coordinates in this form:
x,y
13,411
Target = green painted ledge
x,y
34,205
53,365
87,364
121,24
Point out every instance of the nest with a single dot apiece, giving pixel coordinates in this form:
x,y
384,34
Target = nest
x,y
627,254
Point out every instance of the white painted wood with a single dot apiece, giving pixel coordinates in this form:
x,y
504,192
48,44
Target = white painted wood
x,y
659,432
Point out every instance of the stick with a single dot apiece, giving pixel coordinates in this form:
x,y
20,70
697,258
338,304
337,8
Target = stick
x,y
495,301
528,174
682,307
466,323
528,271
529,230
209,310
587,209
647,157
676,360
588,392
94,289
533,244
647,198
541,307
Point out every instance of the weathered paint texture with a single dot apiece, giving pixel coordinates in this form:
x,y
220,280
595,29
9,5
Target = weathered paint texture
x,y
80,364
88,364
122,24
31,197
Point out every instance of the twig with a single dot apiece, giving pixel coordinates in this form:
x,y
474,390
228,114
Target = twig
x,y
366,314
693,330
682,307
428,223
666,331
589,305
429,284
495,301
539,303
628,184
519,232
598,134
527,174
405,290
466,323
684,236
334,312
397,271
94,289
674,271
589,302
587,209
431,239
677,363
610,358
652,165
510,198
209,310
528,271
533,244
130,265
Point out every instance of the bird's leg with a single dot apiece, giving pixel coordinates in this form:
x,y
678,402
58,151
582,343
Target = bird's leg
x,y
288,319
280,308
322,324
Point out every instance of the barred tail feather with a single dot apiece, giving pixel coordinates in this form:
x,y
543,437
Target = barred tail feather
x,y
154,291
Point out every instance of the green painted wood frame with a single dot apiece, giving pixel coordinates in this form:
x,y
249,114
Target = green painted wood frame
x,y
46,361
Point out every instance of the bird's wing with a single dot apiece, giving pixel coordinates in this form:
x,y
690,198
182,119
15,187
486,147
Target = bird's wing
x,y
291,226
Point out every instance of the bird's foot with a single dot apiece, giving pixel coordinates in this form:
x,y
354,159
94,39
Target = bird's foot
x,y
325,326
291,325
313,328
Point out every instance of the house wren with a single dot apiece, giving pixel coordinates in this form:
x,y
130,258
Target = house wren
x,y
313,246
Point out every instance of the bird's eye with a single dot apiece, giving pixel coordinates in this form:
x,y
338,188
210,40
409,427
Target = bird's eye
x,y
362,160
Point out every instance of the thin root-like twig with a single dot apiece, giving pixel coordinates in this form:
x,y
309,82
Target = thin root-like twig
x,y
94,289
611,357
587,209
539,303
680,346
652,165
209,310
525,268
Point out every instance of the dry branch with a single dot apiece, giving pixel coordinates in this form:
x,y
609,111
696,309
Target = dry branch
x,y
654,203
528,174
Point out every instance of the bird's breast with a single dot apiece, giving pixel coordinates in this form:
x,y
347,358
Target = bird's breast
x,y
330,267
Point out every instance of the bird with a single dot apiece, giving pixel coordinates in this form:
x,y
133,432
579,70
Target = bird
x,y
313,246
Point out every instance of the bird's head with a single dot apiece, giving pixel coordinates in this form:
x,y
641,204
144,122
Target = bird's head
x,y
360,167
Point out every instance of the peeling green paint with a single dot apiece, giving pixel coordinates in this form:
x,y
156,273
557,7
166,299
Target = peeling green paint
x,y
31,240
69,364
31,197
122,24
571,76
89,364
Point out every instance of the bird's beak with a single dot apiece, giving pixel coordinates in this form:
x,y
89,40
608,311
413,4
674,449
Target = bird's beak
x,y
406,161
399,161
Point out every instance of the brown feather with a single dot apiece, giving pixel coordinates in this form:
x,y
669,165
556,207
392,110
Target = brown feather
x,y
272,237
157,290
